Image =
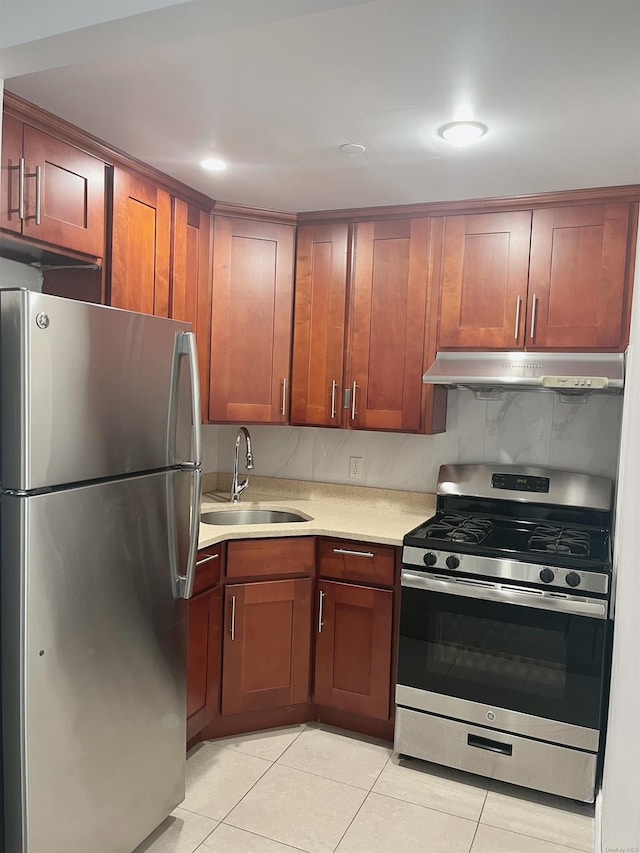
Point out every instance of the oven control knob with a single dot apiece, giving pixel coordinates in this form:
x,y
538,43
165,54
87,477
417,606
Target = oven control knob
x,y
546,576
573,579
452,562
430,559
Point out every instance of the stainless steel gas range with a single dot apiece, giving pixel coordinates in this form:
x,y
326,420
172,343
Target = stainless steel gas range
x,y
504,630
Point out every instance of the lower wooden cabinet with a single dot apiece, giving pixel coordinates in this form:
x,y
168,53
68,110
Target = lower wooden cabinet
x,y
353,649
203,668
204,642
267,645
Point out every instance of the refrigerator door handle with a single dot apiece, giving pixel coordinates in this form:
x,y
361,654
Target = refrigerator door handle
x,y
185,346
191,350
184,583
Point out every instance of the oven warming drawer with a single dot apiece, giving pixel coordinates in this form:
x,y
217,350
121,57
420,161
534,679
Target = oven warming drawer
x,y
496,755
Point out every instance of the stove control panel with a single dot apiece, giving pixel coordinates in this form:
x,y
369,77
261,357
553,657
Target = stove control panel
x,y
472,565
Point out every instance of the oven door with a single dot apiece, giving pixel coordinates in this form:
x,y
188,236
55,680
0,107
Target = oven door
x,y
470,649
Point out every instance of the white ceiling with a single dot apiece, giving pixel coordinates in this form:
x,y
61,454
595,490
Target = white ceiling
x,y
276,86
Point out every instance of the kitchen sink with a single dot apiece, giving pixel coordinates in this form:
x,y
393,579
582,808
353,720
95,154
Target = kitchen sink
x,y
252,516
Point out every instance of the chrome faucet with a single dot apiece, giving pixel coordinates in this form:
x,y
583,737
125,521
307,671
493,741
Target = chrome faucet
x,y
238,488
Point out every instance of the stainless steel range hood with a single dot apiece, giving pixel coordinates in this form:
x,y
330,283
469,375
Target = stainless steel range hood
x,y
567,372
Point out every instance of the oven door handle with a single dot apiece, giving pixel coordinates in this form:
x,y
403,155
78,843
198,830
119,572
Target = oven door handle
x,y
505,595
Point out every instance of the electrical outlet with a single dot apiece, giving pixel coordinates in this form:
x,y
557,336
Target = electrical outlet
x,y
356,467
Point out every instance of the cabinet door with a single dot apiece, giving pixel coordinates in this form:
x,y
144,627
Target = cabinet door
x,y
577,281
9,179
71,194
353,649
191,282
388,323
204,659
267,645
485,268
251,322
141,245
319,325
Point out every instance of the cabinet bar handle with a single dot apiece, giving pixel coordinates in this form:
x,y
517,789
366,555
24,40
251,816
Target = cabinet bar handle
x,y
534,316
516,331
232,629
320,609
38,194
353,400
334,386
283,410
21,177
353,553
207,559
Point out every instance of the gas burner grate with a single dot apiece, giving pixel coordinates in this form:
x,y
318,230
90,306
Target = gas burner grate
x,y
461,528
560,540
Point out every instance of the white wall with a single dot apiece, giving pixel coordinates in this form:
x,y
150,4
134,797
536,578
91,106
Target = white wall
x,y
521,427
620,798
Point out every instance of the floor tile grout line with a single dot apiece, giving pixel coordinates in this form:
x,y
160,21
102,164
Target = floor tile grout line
x,y
537,837
246,792
328,778
256,835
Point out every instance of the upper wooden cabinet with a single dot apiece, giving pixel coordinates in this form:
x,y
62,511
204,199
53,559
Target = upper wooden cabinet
x,y
319,325
555,278
252,321
190,290
141,245
52,192
380,307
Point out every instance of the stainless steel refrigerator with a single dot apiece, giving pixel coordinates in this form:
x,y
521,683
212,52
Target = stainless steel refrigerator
x,y
100,478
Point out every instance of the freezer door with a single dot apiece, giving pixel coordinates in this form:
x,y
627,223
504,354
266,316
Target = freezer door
x,y
91,392
94,661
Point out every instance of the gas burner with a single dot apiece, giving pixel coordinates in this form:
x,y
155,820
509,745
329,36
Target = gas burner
x,y
560,540
461,528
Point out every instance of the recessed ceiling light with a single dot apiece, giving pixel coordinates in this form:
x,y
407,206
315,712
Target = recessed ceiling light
x,y
213,164
461,133
352,148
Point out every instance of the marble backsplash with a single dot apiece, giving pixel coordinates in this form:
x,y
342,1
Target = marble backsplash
x,y
529,427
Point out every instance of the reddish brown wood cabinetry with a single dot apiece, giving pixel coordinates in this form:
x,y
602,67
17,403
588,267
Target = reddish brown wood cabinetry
x,y
319,325
577,278
61,194
555,278
205,642
251,322
386,325
353,649
267,645
190,298
141,245
354,639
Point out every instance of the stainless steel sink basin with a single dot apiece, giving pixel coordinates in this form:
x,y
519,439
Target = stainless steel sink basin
x,y
251,516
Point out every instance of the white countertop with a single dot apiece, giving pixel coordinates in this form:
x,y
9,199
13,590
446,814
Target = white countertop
x,y
347,512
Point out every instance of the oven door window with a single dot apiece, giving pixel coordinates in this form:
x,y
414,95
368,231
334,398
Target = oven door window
x,y
538,662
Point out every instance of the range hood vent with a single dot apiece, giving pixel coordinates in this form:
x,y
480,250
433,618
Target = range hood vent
x,y
568,373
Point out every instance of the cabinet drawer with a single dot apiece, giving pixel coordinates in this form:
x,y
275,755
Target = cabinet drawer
x,y
263,557
208,568
356,561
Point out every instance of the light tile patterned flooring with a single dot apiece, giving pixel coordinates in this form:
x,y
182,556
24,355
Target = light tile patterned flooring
x,y
319,790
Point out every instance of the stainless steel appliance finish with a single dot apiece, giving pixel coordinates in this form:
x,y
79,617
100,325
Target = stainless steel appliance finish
x,y
508,757
252,516
504,630
96,565
567,373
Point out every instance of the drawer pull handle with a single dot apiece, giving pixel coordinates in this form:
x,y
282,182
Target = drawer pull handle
x,y
489,745
353,553
320,612
207,559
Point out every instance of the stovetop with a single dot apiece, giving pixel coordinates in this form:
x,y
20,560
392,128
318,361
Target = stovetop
x,y
541,541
